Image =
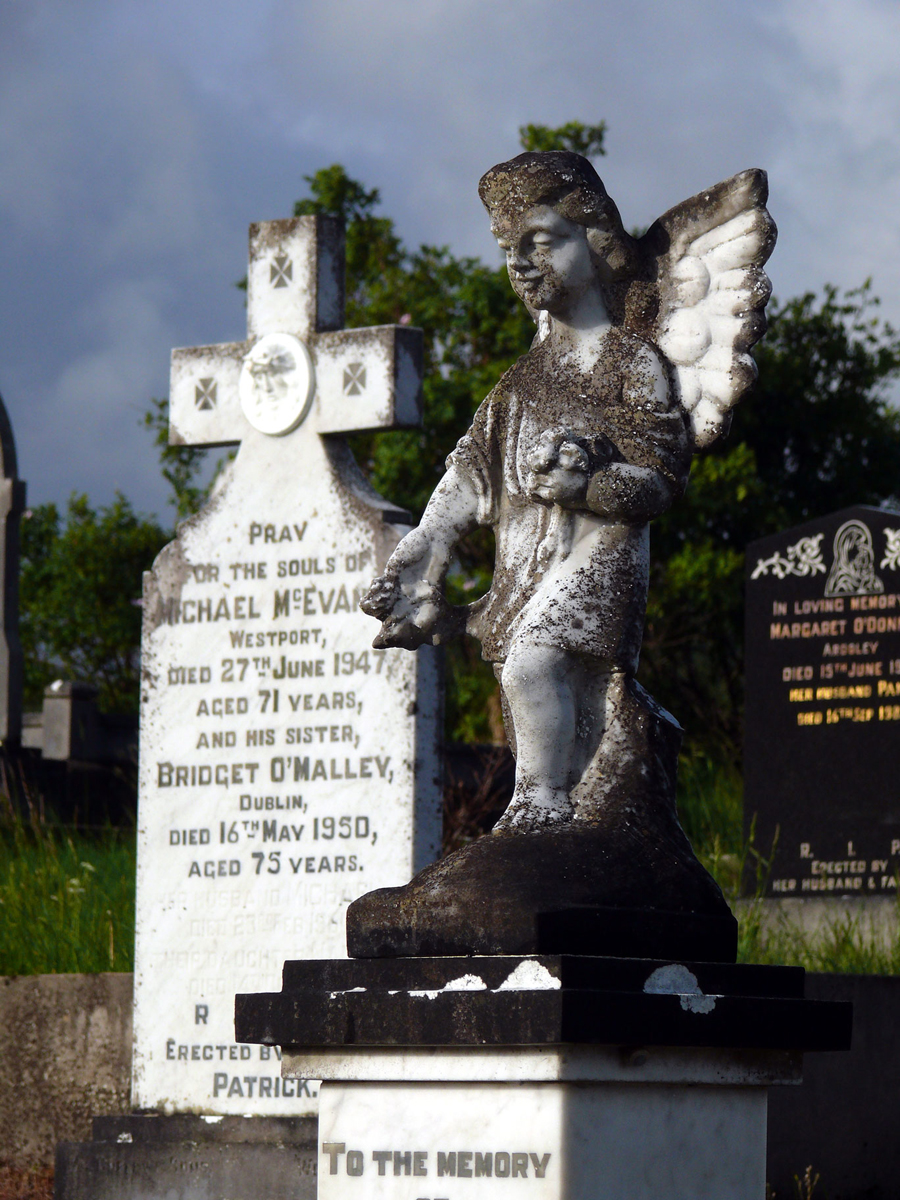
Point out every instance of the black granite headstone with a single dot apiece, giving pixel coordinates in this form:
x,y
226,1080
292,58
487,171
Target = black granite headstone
x,y
822,735
595,1001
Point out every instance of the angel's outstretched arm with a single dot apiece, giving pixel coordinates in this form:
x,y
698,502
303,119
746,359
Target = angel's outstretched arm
x,y
451,513
408,598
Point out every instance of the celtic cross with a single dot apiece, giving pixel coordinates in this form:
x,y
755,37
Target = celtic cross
x,y
298,365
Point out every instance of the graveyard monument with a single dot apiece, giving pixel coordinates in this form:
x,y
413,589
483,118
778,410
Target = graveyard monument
x,y
285,766
823,705
555,1009
284,763
641,353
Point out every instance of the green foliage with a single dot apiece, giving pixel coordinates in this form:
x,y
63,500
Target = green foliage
x,y
375,256
180,465
575,136
817,434
66,899
819,423
846,944
710,808
80,589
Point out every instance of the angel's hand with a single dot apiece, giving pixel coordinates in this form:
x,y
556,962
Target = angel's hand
x,y
560,469
409,613
407,599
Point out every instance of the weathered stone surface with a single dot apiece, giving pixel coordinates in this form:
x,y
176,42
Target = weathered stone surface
x,y
65,1055
640,355
542,1000
582,891
141,1157
285,767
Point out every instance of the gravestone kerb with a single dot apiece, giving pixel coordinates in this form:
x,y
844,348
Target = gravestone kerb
x,y
253,608
822,720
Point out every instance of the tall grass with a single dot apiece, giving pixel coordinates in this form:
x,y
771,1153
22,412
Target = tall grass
x,y
710,804
66,897
849,943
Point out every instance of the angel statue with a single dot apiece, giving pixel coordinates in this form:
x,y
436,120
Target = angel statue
x,y
641,352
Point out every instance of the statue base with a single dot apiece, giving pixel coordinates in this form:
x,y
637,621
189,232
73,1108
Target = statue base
x,y
577,1076
616,887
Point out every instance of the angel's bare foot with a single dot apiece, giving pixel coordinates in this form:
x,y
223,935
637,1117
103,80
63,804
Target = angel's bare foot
x,y
535,808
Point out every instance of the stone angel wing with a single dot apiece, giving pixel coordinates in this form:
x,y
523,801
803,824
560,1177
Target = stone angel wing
x,y
707,257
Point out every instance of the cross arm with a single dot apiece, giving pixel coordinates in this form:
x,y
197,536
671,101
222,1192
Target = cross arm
x,y
204,403
368,379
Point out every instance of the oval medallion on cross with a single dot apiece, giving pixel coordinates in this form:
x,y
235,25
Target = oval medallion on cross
x,y
276,384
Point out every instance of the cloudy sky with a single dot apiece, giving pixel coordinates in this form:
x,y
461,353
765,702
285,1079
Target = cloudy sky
x,y
138,141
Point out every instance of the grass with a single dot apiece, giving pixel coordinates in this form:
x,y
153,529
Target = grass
x,y
66,897
710,805
845,945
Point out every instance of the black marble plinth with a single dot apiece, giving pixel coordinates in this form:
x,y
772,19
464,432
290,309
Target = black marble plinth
x,y
822,647
149,1157
589,1000
628,886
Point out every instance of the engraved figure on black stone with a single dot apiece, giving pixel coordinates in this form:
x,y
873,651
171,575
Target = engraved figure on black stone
x,y
853,570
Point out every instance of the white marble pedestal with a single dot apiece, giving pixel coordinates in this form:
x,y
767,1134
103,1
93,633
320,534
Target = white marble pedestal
x,y
548,1077
623,1124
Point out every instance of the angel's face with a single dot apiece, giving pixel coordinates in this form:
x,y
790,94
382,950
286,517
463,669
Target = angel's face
x,y
548,259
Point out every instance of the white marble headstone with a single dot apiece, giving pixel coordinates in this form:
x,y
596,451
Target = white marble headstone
x,y
285,766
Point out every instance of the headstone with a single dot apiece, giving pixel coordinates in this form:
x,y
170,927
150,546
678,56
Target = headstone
x,y
12,505
285,766
823,706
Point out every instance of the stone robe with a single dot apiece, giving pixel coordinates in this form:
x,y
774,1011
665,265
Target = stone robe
x,y
571,577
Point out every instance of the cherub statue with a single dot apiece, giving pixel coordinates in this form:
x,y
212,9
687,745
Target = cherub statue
x,y
640,354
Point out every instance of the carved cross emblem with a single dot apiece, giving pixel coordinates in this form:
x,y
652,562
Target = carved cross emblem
x,y
298,369
205,393
280,271
354,379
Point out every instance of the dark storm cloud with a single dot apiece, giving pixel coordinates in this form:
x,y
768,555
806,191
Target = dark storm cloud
x,y
139,141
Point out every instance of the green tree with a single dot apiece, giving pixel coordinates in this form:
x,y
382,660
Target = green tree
x,y
818,433
80,591
575,136
181,466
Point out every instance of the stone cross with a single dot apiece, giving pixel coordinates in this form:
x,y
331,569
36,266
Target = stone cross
x,y
285,766
298,365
